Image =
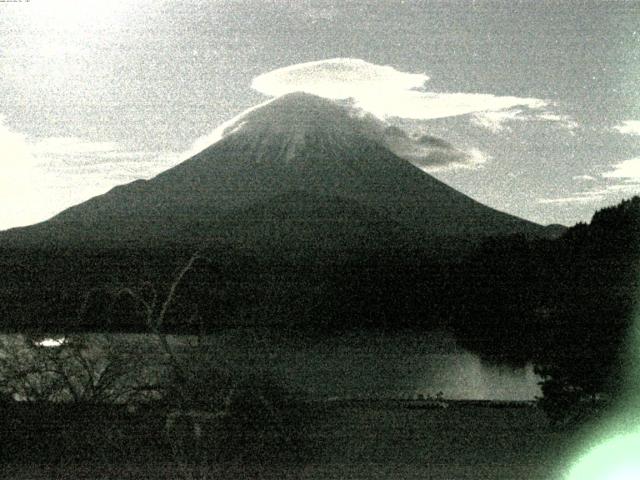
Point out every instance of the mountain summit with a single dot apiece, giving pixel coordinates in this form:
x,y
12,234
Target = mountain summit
x,y
297,118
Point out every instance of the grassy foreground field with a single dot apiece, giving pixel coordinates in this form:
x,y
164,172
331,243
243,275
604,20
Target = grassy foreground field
x,y
345,440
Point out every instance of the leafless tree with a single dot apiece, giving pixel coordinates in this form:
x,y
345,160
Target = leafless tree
x,y
81,368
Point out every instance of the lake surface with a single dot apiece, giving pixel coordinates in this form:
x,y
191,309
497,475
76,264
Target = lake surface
x,y
348,366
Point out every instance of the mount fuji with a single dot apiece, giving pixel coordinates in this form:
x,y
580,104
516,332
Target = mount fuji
x,y
298,168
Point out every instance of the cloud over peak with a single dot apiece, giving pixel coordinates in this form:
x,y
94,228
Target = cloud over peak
x,y
336,78
414,144
381,90
386,93
379,93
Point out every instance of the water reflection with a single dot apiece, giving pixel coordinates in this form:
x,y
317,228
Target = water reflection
x,y
51,342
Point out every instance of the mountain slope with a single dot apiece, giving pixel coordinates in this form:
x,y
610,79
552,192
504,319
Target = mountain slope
x,y
297,143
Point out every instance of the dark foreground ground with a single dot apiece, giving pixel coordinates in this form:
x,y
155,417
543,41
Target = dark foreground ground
x,y
345,440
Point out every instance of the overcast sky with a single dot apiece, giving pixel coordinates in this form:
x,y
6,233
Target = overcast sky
x,y
544,97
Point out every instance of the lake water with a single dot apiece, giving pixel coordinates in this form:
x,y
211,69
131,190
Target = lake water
x,y
349,366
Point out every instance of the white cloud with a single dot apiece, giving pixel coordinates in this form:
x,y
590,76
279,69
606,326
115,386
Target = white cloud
x,y
624,188
337,78
495,121
478,157
584,178
608,192
14,150
628,170
577,198
20,182
381,90
564,121
629,127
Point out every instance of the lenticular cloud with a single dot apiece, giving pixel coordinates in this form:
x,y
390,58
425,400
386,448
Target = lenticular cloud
x,y
382,90
337,78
